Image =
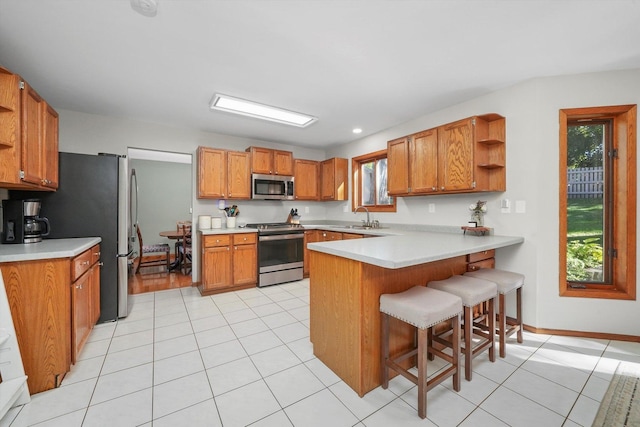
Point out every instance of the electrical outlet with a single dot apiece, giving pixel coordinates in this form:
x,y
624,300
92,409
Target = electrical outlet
x,y
432,207
505,206
306,209
345,208
521,206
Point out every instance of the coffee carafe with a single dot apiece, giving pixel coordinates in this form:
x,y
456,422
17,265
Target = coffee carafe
x,y
21,221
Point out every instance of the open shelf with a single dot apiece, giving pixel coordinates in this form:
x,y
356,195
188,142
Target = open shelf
x,y
490,141
490,166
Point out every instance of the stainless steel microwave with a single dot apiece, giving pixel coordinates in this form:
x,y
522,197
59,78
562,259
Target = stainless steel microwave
x,y
271,187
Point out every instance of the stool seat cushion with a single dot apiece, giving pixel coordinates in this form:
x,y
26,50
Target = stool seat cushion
x,y
472,291
507,281
420,306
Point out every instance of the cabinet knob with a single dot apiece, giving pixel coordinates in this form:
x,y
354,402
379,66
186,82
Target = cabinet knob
x,y
433,188
441,188
85,263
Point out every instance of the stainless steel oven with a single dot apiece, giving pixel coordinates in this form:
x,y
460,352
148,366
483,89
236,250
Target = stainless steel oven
x,y
280,253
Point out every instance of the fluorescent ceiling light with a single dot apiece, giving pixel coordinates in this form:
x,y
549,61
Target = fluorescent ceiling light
x,y
260,111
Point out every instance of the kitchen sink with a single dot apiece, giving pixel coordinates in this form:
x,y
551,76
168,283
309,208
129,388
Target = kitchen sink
x,y
358,227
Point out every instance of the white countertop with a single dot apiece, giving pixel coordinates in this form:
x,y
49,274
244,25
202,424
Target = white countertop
x,y
46,249
408,248
224,230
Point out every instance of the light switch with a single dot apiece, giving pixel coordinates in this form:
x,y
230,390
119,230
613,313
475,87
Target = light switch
x,y
306,209
521,206
432,207
345,208
505,206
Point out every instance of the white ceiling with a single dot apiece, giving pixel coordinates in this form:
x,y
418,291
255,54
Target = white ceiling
x,y
368,63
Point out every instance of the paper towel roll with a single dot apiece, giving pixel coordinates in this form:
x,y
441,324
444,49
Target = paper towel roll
x,y
204,222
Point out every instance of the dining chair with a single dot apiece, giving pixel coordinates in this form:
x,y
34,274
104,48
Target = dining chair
x,y
160,248
184,248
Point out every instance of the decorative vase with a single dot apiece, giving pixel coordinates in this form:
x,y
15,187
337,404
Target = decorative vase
x,y
478,218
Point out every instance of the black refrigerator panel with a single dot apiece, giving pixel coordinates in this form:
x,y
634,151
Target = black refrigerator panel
x,y
86,205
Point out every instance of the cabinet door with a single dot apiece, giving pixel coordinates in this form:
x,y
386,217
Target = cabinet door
x,y
50,147
212,173
283,163
31,135
423,176
455,156
95,294
306,180
216,268
80,313
261,160
310,236
348,236
239,178
398,166
328,236
334,179
39,297
245,264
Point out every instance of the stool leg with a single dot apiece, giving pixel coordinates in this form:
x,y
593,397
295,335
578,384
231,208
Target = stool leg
x,y
502,326
430,355
519,312
455,337
384,350
422,373
492,329
468,350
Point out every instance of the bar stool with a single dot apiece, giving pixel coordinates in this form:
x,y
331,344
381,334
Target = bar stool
x,y
472,291
423,308
506,281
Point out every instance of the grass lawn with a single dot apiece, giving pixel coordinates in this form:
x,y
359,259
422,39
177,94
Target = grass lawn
x,y
584,219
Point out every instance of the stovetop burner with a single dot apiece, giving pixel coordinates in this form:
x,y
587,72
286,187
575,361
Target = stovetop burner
x,y
276,226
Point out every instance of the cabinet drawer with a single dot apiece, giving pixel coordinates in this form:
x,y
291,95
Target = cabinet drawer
x,y
479,256
244,239
95,254
217,240
80,264
485,263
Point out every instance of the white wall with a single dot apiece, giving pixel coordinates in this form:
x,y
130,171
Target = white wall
x,y
91,134
531,109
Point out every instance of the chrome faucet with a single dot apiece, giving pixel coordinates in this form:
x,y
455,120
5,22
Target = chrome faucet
x,y
368,223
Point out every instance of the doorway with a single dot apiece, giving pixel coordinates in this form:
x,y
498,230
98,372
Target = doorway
x,y
161,196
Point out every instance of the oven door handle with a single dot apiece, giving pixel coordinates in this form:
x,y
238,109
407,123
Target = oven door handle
x,y
281,237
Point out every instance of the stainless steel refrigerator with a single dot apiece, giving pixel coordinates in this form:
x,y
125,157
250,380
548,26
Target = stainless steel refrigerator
x,y
92,201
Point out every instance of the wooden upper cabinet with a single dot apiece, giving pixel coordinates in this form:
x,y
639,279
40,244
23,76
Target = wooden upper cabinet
x,y
212,173
307,173
398,166
50,146
239,175
455,156
283,162
461,157
334,181
32,143
223,174
423,177
271,162
28,137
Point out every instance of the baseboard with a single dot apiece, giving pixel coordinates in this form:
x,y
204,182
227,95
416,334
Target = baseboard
x,y
597,335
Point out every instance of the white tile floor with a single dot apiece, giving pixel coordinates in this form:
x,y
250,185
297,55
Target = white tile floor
x,y
244,358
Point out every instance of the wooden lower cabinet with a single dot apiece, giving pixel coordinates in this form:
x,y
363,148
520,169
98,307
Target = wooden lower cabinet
x,y
483,259
228,262
310,236
40,301
53,305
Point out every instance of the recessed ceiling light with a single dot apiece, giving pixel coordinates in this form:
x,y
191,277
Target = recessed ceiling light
x,y
357,130
145,7
260,111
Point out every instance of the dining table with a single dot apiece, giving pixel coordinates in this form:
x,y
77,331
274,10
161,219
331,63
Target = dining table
x,y
173,235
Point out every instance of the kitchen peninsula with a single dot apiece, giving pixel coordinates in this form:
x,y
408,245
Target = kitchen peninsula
x,y
347,278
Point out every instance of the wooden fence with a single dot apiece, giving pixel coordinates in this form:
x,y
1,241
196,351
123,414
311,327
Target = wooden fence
x,y
583,183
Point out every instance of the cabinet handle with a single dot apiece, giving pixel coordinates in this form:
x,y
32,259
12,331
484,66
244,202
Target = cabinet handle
x,y
101,263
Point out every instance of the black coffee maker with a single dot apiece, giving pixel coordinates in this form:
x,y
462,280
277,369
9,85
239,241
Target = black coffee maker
x,y
21,222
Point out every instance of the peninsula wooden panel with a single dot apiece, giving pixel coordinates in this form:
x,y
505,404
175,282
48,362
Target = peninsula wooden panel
x,y
40,301
345,312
